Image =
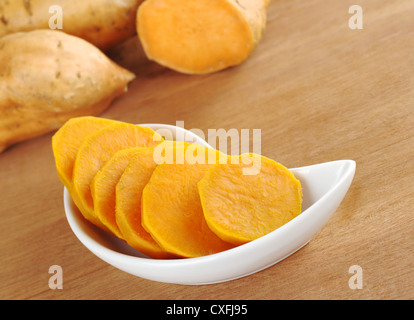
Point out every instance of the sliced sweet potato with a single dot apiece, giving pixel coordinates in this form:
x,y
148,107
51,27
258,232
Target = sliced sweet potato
x,y
242,207
103,187
128,203
67,140
171,208
96,150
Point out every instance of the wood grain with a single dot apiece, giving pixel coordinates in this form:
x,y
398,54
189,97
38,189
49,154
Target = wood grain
x,y
319,92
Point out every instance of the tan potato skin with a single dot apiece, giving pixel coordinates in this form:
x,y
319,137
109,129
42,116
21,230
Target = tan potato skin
x,y
104,23
48,77
255,14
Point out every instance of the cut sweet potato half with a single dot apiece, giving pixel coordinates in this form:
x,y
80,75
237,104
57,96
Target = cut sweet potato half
x,y
96,150
241,207
200,36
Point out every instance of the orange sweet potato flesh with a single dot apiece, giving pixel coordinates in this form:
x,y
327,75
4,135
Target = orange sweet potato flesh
x,y
93,154
128,203
67,140
172,212
200,36
241,207
103,188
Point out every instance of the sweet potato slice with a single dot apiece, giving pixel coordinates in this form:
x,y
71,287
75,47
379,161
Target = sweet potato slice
x,y
128,203
67,140
200,36
96,150
172,212
103,187
242,207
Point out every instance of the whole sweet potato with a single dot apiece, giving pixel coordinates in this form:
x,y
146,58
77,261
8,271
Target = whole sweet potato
x,y
47,77
104,23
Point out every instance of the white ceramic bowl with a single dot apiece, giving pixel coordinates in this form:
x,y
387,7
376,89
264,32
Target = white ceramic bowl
x,y
324,186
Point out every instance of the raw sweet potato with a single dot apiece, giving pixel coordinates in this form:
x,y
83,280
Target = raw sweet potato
x,y
48,77
104,23
200,36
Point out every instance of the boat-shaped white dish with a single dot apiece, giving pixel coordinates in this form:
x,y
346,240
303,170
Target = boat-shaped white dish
x,y
324,187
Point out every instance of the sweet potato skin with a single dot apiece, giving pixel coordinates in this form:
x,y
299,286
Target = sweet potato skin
x,y
104,23
48,77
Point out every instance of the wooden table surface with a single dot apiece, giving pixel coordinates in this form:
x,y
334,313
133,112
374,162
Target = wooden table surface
x,y
318,91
